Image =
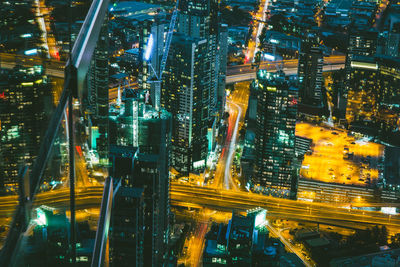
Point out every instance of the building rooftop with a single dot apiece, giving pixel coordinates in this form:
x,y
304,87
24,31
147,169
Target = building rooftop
x,y
135,192
317,242
387,258
132,7
392,165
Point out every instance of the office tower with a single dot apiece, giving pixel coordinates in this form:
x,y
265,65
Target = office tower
x,y
25,107
151,172
309,73
393,41
98,95
362,42
127,219
145,168
388,112
223,58
389,40
240,235
186,96
374,94
275,134
199,19
362,94
194,82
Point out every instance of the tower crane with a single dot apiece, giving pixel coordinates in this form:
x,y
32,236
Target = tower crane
x,y
157,76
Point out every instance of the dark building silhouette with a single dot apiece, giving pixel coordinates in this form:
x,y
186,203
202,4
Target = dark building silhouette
x,y
142,193
25,107
309,73
98,94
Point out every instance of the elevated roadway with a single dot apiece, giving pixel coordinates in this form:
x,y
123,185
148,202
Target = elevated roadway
x,y
224,200
235,73
227,200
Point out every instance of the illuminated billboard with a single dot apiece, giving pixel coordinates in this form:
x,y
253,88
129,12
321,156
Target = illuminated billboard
x,y
261,218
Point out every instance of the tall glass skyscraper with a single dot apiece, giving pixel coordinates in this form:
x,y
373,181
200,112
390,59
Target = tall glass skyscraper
x,y
309,72
191,81
275,134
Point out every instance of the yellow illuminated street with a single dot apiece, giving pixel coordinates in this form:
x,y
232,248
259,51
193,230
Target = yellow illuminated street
x,y
339,158
48,40
253,42
237,106
225,200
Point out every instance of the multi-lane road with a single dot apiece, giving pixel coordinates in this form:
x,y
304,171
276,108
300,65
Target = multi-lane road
x,y
220,199
237,106
252,45
228,200
236,73
246,72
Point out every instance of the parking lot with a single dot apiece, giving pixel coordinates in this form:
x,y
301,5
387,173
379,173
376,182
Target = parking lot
x,y
337,157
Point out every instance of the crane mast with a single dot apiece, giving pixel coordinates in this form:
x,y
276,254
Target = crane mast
x,y
158,76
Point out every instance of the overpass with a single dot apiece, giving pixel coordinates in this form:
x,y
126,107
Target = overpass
x,y
183,195
250,75
235,73
226,200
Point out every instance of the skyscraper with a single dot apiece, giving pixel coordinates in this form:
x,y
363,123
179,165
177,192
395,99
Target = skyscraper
x,y
193,82
143,168
275,134
374,94
361,42
126,240
98,94
309,71
362,94
25,107
393,41
187,97
199,19
223,58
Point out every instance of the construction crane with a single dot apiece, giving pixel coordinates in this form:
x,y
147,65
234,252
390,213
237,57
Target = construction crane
x,y
157,76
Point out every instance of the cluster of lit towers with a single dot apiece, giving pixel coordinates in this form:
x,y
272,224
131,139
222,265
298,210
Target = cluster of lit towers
x,y
146,133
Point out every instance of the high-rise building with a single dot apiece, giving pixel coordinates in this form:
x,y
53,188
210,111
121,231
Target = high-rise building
x,y
361,43
187,97
362,93
194,82
145,167
393,41
199,19
374,93
240,235
223,59
309,71
25,107
98,95
389,88
127,219
275,134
